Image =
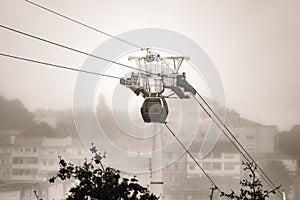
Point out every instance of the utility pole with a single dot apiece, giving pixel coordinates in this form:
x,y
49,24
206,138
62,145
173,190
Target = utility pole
x,y
213,188
156,183
284,195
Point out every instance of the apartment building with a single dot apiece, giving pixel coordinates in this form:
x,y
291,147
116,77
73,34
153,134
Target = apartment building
x,y
25,158
27,162
6,146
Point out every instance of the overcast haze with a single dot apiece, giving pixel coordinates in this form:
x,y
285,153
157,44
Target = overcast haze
x,y
255,45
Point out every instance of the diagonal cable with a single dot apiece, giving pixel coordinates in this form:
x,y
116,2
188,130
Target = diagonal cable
x,y
56,65
82,24
72,49
238,145
194,159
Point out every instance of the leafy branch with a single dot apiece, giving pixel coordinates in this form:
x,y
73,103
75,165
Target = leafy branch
x,y
96,182
251,189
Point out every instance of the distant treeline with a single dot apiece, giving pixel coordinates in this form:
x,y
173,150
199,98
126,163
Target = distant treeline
x,y
289,143
14,116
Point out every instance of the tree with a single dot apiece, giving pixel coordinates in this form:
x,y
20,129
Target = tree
x,y
251,189
289,142
279,174
39,129
13,115
96,182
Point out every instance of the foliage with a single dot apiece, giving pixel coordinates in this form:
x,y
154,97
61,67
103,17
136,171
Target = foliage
x,y
36,195
39,129
13,115
97,182
279,173
251,189
289,142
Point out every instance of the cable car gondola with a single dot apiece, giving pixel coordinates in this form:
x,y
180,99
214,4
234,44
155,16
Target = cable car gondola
x,y
154,110
153,75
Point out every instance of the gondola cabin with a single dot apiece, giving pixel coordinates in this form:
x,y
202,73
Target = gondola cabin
x,y
154,110
154,75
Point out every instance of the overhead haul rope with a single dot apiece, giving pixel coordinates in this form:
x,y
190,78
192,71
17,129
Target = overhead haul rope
x,y
90,27
56,65
73,49
232,135
238,145
194,159
83,24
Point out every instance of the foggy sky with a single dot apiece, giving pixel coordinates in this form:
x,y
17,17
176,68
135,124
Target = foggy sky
x,y
255,45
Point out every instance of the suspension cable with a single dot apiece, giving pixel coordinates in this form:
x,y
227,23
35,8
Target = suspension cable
x,y
56,65
82,24
73,49
235,139
238,145
194,159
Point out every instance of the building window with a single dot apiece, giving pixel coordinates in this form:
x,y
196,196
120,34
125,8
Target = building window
x,y
27,172
34,149
62,151
4,172
27,149
229,156
169,155
250,137
172,166
180,166
216,166
216,154
17,160
32,160
210,155
166,178
207,166
25,160
250,148
229,166
51,162
192,167
17,171
174,178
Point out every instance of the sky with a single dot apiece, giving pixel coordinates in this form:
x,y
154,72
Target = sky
x,y
254,44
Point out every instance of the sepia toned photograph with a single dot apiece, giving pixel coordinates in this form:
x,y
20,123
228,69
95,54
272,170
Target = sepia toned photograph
x,y
149,100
